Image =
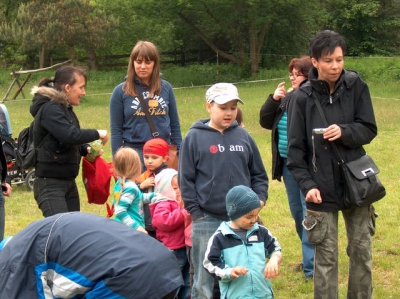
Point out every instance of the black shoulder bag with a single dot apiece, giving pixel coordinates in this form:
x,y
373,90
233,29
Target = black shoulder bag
x,y
361,182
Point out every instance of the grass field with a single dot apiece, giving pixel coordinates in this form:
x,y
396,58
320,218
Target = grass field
x,y
21,208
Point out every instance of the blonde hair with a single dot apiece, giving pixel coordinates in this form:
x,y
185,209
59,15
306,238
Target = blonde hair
x,y
146,51
127,163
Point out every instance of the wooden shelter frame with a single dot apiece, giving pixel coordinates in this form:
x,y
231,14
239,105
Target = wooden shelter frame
x,y
16,75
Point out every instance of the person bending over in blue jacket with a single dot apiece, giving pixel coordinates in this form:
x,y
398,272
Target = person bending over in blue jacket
x,y
79,255
237,251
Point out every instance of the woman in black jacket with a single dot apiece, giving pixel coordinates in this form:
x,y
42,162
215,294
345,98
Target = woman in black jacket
x,y
347,105
59,140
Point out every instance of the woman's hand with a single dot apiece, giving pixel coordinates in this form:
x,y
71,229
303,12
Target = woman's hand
x,y
7,189
280,92
314,196
333,132
103,134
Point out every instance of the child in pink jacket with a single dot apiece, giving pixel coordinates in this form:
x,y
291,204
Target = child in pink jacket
x,y
168,220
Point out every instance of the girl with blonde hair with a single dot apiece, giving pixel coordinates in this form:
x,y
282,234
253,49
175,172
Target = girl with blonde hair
x,y
128,199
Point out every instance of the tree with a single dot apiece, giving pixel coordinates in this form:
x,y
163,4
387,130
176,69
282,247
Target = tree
x,y
54,24
369,26
78,23
236,30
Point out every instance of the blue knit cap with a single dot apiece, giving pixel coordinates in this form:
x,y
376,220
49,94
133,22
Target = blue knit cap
x,y
241,200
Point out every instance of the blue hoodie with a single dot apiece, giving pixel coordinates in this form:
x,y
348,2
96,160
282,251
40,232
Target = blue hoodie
x,y
211,163
128,121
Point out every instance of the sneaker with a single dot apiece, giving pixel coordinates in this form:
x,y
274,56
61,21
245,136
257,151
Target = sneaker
x,y
309,277
299,268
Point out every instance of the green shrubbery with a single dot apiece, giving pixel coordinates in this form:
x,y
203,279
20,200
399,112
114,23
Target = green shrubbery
x,y
375,68
372,69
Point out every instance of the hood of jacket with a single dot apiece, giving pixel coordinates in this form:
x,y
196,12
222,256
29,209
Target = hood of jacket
x,y
158,197
201,124
347,79
43,95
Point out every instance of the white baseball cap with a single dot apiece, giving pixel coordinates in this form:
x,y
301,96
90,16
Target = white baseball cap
x,y
222,93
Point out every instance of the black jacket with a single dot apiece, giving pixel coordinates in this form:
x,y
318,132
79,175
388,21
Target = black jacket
x,y
270,114
62,142
350,107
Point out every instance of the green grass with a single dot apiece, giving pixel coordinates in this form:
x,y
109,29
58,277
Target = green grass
x,y
21,208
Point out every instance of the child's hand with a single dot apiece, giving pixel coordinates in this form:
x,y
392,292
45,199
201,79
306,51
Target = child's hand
x,y
141,229
149,182
237,271
271,270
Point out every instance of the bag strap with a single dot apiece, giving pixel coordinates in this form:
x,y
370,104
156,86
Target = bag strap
x,y
3,163
334,146
148,116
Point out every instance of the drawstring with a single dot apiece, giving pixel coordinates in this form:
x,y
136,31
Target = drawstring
x,y
314,158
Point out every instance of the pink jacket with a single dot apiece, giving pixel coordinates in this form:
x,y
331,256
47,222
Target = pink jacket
x,y
188,228
169,222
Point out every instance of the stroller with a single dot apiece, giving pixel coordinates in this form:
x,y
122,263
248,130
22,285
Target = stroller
x,y
15,174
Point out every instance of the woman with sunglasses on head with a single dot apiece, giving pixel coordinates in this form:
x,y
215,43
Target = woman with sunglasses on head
x,y
273,116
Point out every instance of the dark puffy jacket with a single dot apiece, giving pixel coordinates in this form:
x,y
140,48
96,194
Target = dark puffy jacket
x,y
270,114
62,141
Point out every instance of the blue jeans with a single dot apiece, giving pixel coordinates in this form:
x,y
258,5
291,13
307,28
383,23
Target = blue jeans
x,y
181,256
55,196
202,230
2,216
297,205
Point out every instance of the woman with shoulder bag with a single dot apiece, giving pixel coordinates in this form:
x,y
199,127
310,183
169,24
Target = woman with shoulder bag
x,y
143,92
347,105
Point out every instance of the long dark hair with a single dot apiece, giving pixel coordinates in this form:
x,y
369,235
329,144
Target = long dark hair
x,y
63,76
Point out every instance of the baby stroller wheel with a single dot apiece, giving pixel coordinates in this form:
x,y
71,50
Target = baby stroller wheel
x,y
29,179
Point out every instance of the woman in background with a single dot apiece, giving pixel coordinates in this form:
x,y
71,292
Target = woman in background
x,y
273,116
128,122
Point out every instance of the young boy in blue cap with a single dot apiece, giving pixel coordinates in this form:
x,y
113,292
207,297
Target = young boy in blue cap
x,y
237,251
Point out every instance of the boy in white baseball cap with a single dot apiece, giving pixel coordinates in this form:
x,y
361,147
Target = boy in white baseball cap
x,y
216,155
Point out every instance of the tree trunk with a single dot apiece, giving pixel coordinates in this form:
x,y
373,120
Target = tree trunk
x,y
94,63
204,37
254,54
42,55
72,54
